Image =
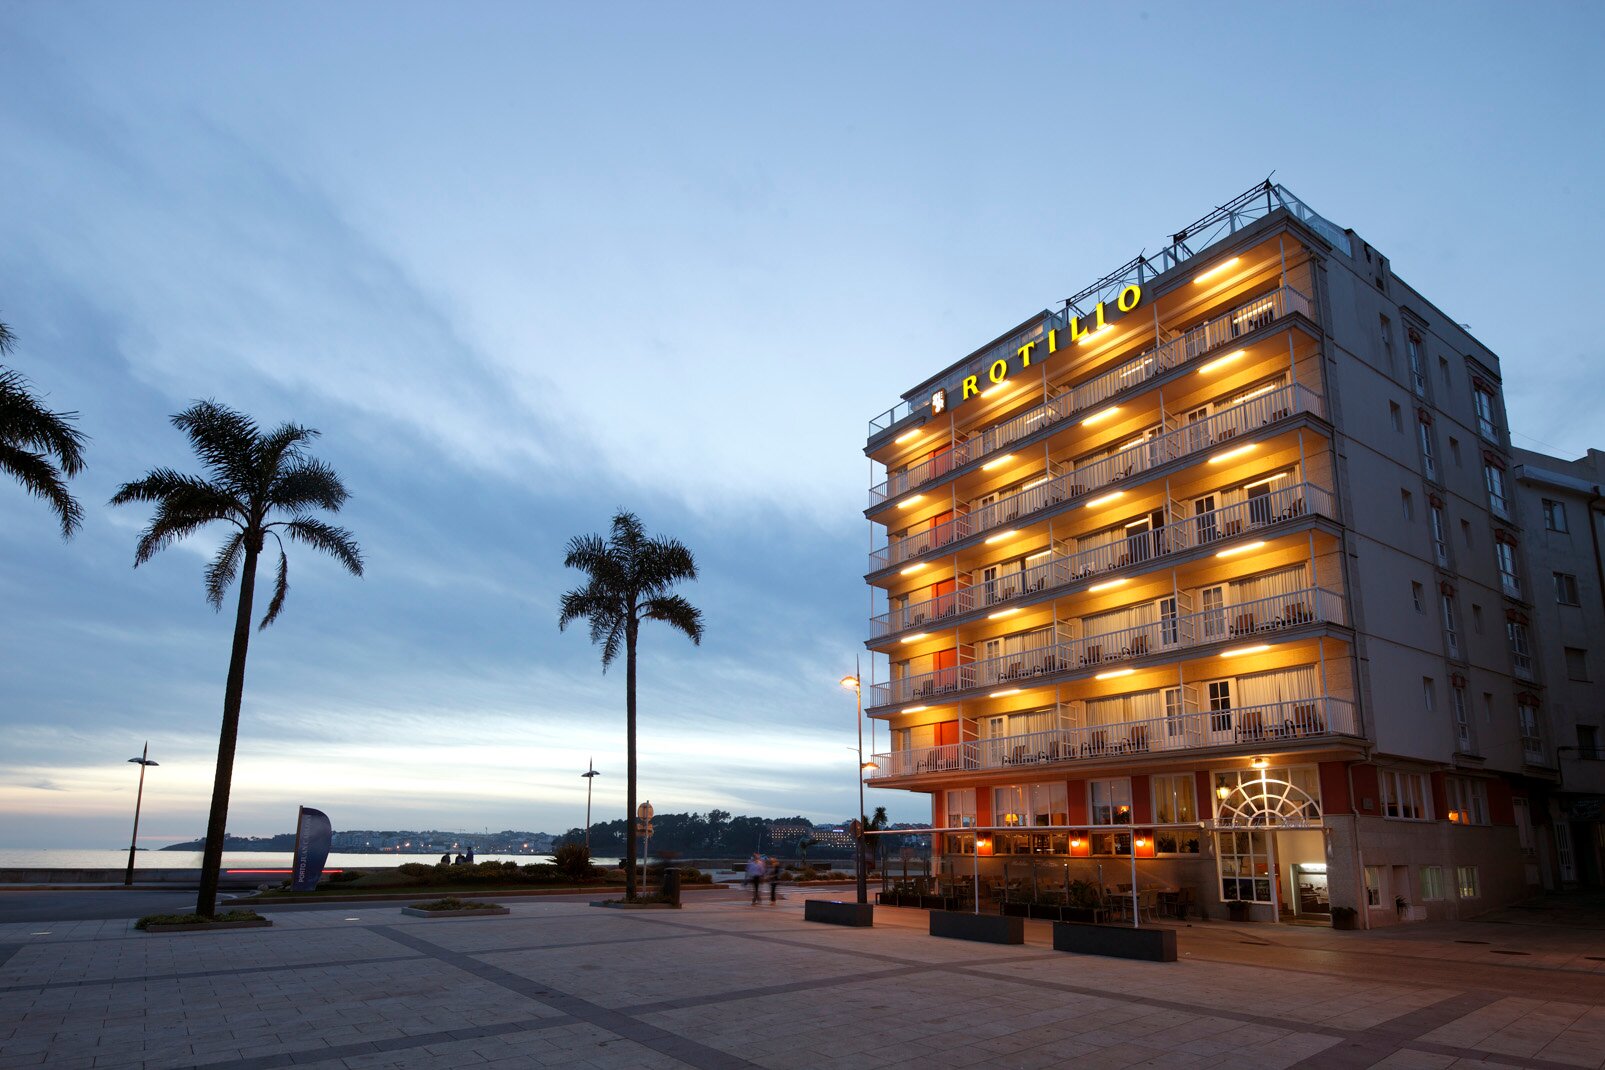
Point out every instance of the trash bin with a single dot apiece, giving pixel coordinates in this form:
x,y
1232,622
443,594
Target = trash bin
x,y
671,885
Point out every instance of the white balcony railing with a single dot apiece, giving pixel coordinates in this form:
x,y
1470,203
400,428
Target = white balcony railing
x,y
1166,635
1277,722
1063,483
1188,346
1060,569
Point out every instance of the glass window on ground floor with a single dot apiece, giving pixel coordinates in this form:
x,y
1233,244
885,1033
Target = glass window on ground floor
x,y
1432,884
960,804
1175,803
1373,886
1111,801
1467,883
1245,866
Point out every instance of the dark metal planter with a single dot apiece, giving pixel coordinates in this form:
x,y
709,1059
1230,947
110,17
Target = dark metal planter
x,y
987,928
1116,941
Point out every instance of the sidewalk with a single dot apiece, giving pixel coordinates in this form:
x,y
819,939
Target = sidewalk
x,y
725,984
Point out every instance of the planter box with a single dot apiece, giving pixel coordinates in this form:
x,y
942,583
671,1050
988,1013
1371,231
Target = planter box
x,y
473,912
835,912
1239,913
939,902
1152,945
987,928
1015,910
1345,922
620,904
1086,915
1046,912
206,927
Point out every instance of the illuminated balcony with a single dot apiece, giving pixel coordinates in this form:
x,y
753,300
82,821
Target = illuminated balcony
x,y
1057,569
1166,638
1198,342
1060,484
1266,727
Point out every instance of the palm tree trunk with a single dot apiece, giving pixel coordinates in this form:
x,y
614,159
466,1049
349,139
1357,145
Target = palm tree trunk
x,y
217,823
629,761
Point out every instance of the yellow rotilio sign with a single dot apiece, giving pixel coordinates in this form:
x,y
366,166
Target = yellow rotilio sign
x,y
999,370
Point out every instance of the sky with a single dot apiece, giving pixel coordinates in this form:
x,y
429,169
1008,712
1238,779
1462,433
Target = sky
x,y
523,265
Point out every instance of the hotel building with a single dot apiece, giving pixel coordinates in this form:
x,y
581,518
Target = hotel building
x,y
1219,571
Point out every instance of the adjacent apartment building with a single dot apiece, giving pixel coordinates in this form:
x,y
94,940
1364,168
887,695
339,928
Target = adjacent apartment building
x,y
1226,569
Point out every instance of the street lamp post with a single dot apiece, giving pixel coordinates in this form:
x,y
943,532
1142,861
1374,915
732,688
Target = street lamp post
x,y
142,761
857,688
589,774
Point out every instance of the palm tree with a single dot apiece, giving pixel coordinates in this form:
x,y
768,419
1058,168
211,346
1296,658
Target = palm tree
x,y
30,436
630,577
261,483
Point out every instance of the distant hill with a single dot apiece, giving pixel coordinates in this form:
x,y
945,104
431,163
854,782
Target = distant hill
x,y
284,842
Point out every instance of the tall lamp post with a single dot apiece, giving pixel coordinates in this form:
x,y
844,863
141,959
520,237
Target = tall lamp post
x,y
852,683
142,761
589,775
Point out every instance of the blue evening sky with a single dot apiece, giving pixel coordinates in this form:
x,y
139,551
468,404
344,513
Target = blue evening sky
x,y
525,264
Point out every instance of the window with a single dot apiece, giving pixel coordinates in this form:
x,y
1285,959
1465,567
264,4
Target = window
x,y
1008,806
1476,618
1428,703
1467,799
1495,480
1220,706
1387,344
1396,415
1405,796
1465,533
1443,370
1588,742
1451,634
1049,803
1373,886
1111,801
1416,593
1173,799
1566,589
1454,450
1521,652
1457,702
1245,866
1524,823
960,808
1487,427
1466,882
1505,552
1418,379
1431,884
1532,741
1408,501
1440,535
1576,663
1554,515
1429,459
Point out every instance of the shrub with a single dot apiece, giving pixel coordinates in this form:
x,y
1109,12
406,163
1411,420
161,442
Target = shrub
x,y
451,902
194,919
346,876
573,860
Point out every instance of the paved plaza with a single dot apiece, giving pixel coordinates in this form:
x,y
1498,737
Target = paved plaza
x,y
723,984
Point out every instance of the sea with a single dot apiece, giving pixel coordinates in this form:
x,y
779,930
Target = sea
x,y
93,858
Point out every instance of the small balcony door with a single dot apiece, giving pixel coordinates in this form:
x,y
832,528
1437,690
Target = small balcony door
x,y
1219,728
1204,526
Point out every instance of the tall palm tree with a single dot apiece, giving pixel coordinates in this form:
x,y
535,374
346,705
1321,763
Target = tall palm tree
x,y
262,484
31,435
630,577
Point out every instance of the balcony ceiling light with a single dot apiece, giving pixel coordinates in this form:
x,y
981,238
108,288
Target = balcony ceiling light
x,y
908,436
916,637
910,570
1106,499
1221,458
1221,362
915,709
1034,483
1039,553
1266,480
1007,691
1258,648
1098,417
1090,335
1000,614
1107,585
1259,763
997,462
1000,536
992,392
912,499
1113,673
1233,551
1217,269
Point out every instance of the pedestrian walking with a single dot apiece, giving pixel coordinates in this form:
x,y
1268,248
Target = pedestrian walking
x,y
772,865
755,869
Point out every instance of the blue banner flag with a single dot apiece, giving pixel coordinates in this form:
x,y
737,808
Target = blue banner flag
x,y
312,835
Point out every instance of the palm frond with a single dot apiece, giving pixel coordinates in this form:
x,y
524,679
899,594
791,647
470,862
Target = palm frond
x,y
7,339
306,483
26,423
41,478
223,439
337,542
221,572
281,587
277,451
674,610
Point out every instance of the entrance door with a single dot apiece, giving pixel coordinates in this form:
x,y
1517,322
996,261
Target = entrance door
x,y
1310,893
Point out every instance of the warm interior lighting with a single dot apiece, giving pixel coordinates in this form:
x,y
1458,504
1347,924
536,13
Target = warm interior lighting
x,y
915,709
1221,458
908,436
1142,841
1263,482
1112,673
1140,366
1259,763
910,570
1217,269
1106,585
1245,650
1222,791
1076,841
1221,362
912,499
916,637
1233,551
1099,417
1000,536
997,462
850,682
1000,614
1005,693
1106,499
1454,817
